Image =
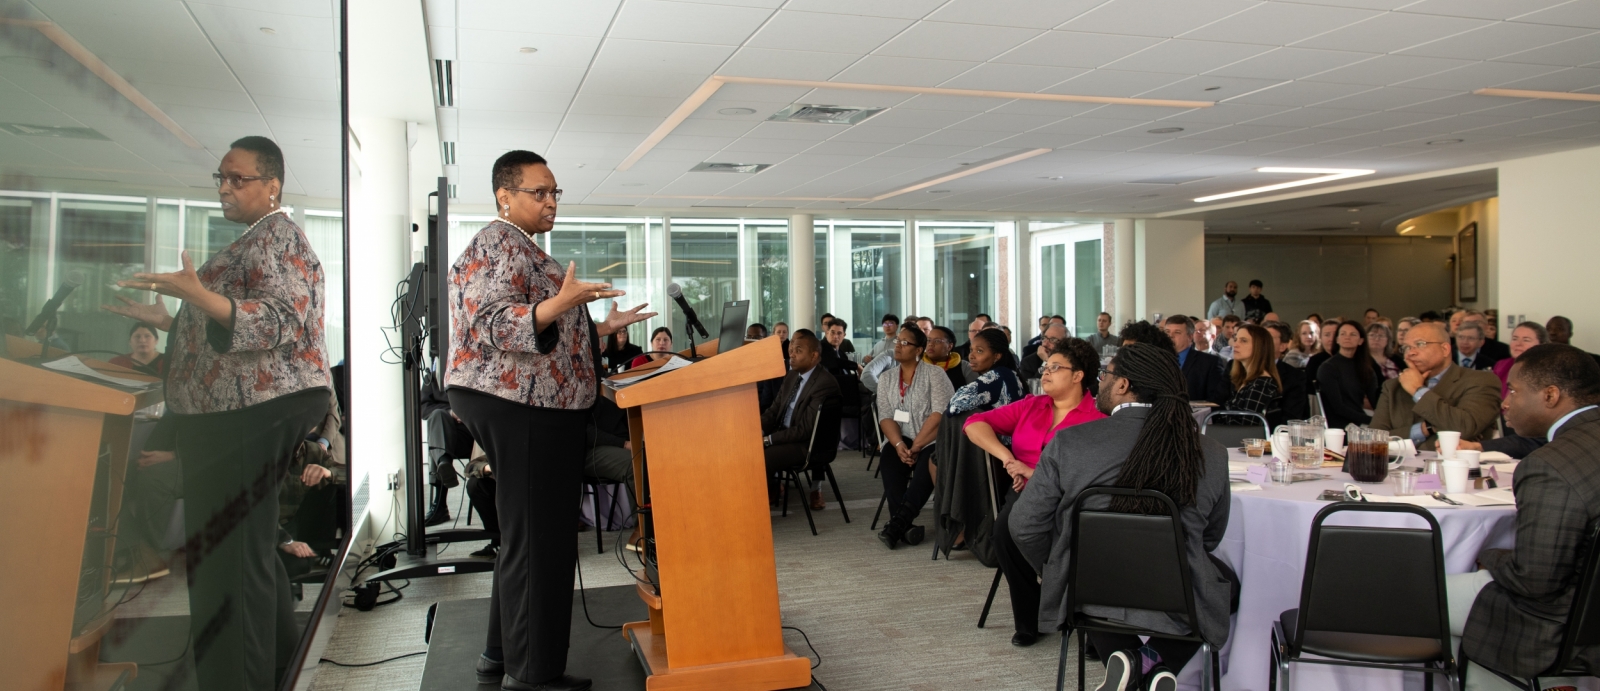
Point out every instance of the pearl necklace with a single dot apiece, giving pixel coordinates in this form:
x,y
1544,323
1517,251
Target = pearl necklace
x,y
506,221
263,218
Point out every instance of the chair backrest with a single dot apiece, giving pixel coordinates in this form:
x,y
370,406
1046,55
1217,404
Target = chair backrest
x,y
1129,560
824,436
1231,427
1583,622
1384,581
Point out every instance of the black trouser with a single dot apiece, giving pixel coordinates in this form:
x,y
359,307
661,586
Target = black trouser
x,y
480,490
906,485
1174,653
538,456
241,616
149,497
448,439
1021,579
317,521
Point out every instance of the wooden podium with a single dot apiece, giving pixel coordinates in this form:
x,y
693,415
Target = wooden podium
x,y
698,465
53,429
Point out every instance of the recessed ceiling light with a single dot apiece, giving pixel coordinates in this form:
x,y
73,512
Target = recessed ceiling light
x,y
527,49
938,191
1408,229
1045,177
1212,88
1352,210
1444,142
1355,223
268,30
737,111
1323,175
1165,130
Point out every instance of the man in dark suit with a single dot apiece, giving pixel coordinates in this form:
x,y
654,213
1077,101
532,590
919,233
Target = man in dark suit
x,y
1434,394
1491,350
1296,403
1512,614
787,424
1471,348
976,325
1203,371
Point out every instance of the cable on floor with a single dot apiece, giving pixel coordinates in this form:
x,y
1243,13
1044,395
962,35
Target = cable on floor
x,y
808,645
370,664
582,594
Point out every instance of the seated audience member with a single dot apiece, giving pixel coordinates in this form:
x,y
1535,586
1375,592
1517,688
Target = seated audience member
x,y
973,327
1512,613
993,384
1526,335
891,324
1370,317
1469,348
1271,317
660,348
142,354
1560,330
1013,358
1228,303
1381,347
787,424
1202,337
1349,381
1202,370
1254,373
1304,345
1032,423
1432,394
912,399
447,440
1327,332
839,359
1102,335
1223,346
1492,347
1514,444
939,355
1400,329
1257,307
1008,357
827,319
480,489
836,349
1044,325
781,330
1149,441
755,332
317,486
926,325
1429,316
1054,335
1296,406
610,444
1144,332
619,352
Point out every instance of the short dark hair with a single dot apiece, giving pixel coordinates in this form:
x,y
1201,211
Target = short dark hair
x,y
1231,319
1285,331
1430,316
1563,320
805,336
984,317
1569,369
1144,332
1055,317
507,172
146,327
661,330
1256,283
828,315
890,318
917,337
948,334
1180,320
1082,357
1373,310
269,158
995,339
839,323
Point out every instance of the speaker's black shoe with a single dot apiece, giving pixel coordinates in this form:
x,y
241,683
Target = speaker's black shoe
x,y
565,682
1023,639
914,535
489,551
490,671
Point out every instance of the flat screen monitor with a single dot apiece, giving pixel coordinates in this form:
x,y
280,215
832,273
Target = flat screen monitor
x,y
734,316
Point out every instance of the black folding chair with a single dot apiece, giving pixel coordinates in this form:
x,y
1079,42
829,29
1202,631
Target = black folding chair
x,y
994,513
1132,561
1371,597
790,477
1231,427
1583,627
591,488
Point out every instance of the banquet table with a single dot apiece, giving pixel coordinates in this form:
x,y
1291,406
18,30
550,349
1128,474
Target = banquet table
x,y
1266,541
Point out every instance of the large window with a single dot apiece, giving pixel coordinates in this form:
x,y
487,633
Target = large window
x,y
609,250
769,302
877,275
1067,270
705,264
959,272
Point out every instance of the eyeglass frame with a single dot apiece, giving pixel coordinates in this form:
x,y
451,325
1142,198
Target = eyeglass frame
x,y
903,342
1103,372
237,181
1423,344
538,193
1052,368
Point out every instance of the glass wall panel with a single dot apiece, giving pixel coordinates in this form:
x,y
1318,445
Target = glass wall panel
x,y
1053,280
705,263
770,304
24,242
1086,286
964,271
97,244
877,277
820,274
1068,274
610,250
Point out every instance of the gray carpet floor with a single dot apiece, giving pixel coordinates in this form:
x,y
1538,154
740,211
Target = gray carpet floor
x,y
879,619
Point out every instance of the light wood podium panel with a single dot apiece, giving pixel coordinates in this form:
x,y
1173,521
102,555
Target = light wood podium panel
x,y
52,427
697,451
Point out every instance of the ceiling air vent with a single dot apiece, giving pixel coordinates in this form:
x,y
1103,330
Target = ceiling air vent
x,y
709,167
824,115
449,153
20,129
1171,180
444,84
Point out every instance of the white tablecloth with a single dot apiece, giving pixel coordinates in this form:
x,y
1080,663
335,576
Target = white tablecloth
x,y
1268,532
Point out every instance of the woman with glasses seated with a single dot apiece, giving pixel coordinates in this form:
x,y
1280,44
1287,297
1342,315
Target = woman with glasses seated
x,y
1254,374
142,354
912,399
1068,373
993,384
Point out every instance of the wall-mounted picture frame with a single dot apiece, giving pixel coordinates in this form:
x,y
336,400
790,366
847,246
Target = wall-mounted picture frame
x,y
1467,263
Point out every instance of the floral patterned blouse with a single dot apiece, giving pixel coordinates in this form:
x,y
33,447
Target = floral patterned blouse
x,y
275,347
494,287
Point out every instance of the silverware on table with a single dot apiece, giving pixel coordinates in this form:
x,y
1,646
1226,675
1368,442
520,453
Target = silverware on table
x,y
1441,497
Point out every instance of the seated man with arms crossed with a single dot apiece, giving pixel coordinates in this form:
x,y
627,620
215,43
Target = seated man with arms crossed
x,y
1512,613
788,422
1433,394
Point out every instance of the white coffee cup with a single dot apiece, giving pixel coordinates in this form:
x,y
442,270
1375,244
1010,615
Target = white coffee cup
x,y
1448,443
1455,475
1468,455
1333,439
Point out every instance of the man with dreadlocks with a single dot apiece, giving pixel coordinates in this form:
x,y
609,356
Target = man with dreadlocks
x,y
1150,441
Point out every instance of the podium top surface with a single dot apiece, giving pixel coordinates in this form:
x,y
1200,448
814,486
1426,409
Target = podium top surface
x,y
27,383
745,365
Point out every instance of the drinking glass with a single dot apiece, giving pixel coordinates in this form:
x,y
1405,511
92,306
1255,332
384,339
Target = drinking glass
x,y
1254,448
1405,483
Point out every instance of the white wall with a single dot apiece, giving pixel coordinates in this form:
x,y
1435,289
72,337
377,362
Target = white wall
x,y
1547,240
1170,268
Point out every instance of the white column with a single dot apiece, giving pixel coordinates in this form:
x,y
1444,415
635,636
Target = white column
x,y
1023,319
839,293
1168,260
1124,303
1545,243
802,280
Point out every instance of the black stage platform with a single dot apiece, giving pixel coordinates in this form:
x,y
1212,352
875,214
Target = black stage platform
x,y
599,654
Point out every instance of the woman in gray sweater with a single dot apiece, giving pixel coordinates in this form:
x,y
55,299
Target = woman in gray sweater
x,y
912,398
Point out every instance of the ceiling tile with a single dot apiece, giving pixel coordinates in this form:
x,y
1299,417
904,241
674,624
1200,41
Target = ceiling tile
x,y
504,47
588,18
687,22
947,41
897,9
1075,49
1388,69
1003,122
1309,117
648,56
1482,74
1004,77
1585,13
785,64
1119,83
1384,120
1091,126
613,104
919,119
1300,94
533,101
1481,9
966,137
965,104
1571,53
475,118
1163,18
1187,57
1278,24
882,69
518,77
1570,79
1223,113
709,145
1208,88
1387,97
1496,40
716,125
623,82
792,30
753,145
881,135
1030,14
618,124
1391,32
1291,63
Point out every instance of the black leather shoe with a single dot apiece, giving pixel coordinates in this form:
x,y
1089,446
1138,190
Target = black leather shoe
x,y
490,671
565,682
888,538
1023,639
914,535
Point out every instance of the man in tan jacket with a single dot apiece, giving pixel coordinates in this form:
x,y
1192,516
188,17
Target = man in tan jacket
x,y
1433,394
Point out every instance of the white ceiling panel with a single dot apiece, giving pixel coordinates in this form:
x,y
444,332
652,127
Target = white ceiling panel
x,y
1207,87
1387,97
965,137
1090,126
919,119
1391,32
894,9
1075,49
853,98
534,101
791,30
1382,121
786,64
880,69
947,41
685,22
1029,14
587,18
617,124
656,107
1005,77
1585,13
1163,18
1182,56
1482,74
1300,94
663,56
881,135
519,77
505,48
1389,69
1005,122
1570,79
717,125
1278,23
803,131
1120,83
968,104
622,82
1308,117
1481,9
1497,40
768,147
1575,52
1291,63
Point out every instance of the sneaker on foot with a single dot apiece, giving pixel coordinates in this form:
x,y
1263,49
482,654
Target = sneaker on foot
x,y
1163,680
1122,672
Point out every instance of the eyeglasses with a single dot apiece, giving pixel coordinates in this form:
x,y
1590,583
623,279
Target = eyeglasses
x,y
908,344
1424,344
1050,340
1104,372
539,195
1052,368
236,181
939,340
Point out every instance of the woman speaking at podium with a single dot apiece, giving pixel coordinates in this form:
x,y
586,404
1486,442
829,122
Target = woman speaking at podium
x,y
247,378
522,376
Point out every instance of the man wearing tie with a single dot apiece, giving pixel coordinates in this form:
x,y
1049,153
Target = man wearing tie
x,y
806,389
